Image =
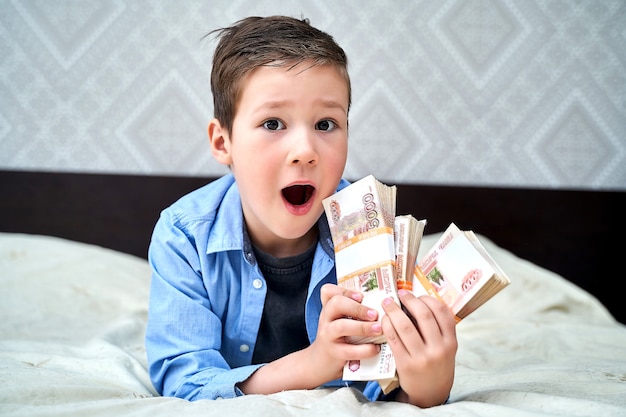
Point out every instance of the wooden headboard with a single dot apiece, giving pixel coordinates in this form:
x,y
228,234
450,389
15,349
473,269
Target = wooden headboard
x,y
574,233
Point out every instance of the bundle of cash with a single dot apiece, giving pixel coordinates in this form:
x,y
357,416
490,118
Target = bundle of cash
x,y
361,219
376,253
459,271
408,232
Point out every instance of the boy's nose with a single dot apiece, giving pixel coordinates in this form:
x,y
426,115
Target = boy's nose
x,y
303,150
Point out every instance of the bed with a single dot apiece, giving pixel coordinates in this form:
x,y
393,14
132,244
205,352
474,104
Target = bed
x,y
74,304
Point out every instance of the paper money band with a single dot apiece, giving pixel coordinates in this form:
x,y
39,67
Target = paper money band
x,y
374,268
364,251
364,236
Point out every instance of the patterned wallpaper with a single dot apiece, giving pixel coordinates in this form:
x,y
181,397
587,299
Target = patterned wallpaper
x,y
476,92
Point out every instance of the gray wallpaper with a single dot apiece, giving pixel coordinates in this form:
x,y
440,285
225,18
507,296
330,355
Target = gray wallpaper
x,y
478,92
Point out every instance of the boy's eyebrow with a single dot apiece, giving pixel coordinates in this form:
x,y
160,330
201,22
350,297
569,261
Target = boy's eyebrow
x,y
333,104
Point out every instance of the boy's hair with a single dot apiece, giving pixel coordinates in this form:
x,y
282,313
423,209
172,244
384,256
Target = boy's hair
x,y
266,41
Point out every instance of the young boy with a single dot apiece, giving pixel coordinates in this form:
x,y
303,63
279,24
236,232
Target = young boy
x,y
244,297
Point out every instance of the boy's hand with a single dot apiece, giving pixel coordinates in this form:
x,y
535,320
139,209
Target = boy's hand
x,y
342,315
423,340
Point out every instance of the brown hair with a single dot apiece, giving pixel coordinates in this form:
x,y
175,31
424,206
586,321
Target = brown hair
x,y
261,41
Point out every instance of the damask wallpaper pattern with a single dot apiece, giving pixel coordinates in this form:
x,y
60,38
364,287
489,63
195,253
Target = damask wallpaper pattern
x,y
475,92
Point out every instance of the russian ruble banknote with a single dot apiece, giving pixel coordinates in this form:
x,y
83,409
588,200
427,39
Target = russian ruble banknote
x,y
361,219
460,272
375,250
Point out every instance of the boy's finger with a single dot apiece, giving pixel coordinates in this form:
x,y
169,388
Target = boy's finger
x,y
329,291
343,307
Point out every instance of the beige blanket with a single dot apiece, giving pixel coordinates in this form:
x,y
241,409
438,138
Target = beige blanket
x,y
72,320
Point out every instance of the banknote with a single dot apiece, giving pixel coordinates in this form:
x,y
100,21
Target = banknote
x,y
361,218
407,233
381,367
459,271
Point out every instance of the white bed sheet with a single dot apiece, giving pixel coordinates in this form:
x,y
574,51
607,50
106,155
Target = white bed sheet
x,y
72,320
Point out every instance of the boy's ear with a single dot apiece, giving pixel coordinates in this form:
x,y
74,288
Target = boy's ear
x,y
220,142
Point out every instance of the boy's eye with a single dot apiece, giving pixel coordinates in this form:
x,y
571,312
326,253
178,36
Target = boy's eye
x,y
273,124
325,125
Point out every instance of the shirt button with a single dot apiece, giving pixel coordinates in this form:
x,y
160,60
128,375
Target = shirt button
x,y
257,283
244,348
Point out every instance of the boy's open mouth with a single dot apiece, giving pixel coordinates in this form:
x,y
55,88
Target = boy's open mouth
x,y
298,194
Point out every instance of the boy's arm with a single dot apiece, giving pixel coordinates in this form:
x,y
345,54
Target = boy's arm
x,y
183,334
184,360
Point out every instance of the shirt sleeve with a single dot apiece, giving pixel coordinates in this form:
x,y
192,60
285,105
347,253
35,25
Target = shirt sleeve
x,y
183,334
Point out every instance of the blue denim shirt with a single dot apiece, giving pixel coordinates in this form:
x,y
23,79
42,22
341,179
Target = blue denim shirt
x,y
207,296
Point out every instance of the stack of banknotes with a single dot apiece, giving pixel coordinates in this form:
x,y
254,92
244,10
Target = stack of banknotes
x,y
376,253
361,219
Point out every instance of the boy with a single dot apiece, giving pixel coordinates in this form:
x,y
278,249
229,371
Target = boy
x,y
244,297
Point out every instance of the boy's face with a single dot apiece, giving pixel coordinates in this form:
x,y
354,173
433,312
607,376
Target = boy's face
x,y
287,151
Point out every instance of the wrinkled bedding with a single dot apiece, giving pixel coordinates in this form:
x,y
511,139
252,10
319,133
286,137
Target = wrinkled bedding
x,y
72,320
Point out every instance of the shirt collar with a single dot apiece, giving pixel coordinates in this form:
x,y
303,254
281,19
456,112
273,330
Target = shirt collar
x,y
226,231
